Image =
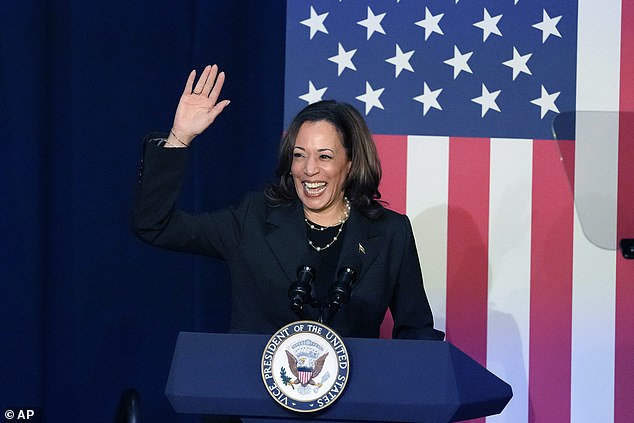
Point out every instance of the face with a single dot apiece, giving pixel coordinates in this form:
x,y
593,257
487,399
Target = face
x,y
320,168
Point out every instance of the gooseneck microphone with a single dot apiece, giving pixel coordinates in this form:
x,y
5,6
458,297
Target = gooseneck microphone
x,y
301,291
339,293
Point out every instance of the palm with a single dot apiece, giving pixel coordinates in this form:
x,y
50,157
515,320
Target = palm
x,y
198,106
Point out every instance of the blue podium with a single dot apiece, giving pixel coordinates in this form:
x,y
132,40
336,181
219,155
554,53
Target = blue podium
x,y
390,381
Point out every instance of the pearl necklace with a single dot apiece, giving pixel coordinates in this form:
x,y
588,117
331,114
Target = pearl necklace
x,y
346,215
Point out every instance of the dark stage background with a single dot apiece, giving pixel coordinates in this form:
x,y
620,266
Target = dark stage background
x,y
87,309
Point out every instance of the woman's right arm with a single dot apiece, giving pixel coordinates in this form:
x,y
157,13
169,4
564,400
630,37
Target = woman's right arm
x,y
155,219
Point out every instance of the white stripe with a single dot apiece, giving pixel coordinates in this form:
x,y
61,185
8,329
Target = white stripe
x,y
593,337
508,319
598,55
594,268
427,199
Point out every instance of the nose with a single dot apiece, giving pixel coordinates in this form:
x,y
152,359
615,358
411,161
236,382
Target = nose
x,y
311,167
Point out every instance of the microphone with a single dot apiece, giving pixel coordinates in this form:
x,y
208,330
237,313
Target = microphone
x,y
339,293
301,291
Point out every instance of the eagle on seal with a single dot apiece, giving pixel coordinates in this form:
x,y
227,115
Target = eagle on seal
x,y
303,371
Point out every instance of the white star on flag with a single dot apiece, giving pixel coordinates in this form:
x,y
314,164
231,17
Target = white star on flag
x,y
488,25
313,95
459,62
343,59
315,22
401,61
429,99
371,98
431,23
548,26
372,23
546,102
518,63
487,100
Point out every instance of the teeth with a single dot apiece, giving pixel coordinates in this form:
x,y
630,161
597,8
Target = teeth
x,y
314,188
314,185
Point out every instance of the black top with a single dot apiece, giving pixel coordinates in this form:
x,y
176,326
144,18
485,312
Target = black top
x,y
328,257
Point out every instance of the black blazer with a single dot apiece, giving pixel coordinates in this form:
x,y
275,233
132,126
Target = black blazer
x,y
264,245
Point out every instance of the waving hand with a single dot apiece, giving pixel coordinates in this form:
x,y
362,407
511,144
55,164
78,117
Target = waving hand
x,y
198,106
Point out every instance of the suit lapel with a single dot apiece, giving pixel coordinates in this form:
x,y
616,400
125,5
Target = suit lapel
x,y
287,237
362,239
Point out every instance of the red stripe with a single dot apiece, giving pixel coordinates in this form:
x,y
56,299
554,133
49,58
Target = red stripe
x,y
468,245
392,151
624,321
551,285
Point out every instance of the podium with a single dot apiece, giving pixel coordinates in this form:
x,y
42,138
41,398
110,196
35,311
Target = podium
x,y
390,381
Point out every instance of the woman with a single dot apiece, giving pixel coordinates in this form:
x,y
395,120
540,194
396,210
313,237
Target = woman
x,y
324,209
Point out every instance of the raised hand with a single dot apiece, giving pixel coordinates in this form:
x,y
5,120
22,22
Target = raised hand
x,y
198,106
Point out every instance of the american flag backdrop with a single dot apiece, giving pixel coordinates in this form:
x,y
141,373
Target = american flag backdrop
x,y
461,96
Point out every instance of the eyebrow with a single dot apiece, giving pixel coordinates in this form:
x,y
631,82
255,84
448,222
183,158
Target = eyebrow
x,y
320,150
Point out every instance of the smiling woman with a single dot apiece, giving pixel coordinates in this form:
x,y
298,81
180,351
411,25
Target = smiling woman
x,y
324,211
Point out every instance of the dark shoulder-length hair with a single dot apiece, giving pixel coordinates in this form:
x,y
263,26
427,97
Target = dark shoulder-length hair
x,y
362,184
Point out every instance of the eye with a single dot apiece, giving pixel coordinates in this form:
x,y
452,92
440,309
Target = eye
x,y
325,157
297,154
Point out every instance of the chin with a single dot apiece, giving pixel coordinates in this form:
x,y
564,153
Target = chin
x,y
317,203
312,202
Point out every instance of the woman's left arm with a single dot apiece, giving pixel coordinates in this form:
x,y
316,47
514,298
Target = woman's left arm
x,y
410,308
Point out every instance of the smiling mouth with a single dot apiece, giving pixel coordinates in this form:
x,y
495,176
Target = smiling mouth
x,y
314,188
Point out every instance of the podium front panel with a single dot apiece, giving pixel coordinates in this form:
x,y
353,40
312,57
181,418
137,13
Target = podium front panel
x,y
390,380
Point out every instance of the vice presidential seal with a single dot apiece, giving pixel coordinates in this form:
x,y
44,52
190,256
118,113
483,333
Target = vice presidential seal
x,y
305,366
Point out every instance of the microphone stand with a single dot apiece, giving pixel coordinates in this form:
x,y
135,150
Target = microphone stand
x,y
300,291
338,295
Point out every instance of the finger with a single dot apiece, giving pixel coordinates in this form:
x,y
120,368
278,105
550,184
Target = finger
x,y
215,92
218,108
209,83
201,81
190,82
